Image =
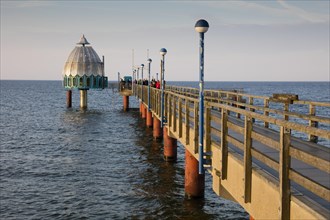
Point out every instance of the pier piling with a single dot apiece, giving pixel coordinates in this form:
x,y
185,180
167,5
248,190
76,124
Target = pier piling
x,y
83,98
143,111
149,122
194,183
126,103
170,146
157,130
69,98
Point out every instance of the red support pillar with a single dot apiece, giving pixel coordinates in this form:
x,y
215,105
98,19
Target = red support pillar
x,y
170,146
140,107
126,102
143,111
149,119
157,131
69,98
194,183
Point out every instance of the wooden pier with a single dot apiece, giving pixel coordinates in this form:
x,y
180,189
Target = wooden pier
x,y
260,153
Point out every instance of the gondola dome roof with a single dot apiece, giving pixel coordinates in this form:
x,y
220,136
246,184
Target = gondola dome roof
x,y
83,60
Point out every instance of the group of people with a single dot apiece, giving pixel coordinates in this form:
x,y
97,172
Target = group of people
x,y
153,83
125,84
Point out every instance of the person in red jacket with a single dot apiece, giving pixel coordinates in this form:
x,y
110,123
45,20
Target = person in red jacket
x,y
157,84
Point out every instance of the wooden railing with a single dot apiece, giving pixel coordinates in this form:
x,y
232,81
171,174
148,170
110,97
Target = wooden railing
x,y
277,106
229,124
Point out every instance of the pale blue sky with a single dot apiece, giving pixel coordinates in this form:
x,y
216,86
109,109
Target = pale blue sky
x,y
247,40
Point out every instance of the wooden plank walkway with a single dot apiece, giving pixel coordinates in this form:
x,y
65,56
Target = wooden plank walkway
x,y
253,157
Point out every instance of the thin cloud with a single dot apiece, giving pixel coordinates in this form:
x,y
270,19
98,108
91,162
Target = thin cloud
x,y
308,16
25,4
257,9
286,14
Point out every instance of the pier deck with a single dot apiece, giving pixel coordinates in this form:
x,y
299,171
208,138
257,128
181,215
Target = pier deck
x,y
270,160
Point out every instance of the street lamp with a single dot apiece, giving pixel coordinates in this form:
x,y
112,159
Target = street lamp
x,y
201,27
142,65
119,82
162,52
149,62
137,82
133,80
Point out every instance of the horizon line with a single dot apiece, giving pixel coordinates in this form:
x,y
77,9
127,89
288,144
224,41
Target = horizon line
x,y
180,80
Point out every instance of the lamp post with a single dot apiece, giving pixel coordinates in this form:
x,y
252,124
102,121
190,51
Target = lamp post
x,y
149,62
162,52
137,82
201,27
119,82
133,80
156,76
142,66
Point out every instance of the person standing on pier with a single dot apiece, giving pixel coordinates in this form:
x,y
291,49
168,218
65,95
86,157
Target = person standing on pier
x,y
157,84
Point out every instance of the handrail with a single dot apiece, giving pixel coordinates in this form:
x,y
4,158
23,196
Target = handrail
x,y
237,99
241,94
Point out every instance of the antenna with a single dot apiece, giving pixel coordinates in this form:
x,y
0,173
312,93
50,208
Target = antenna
x,y
132,59
147,53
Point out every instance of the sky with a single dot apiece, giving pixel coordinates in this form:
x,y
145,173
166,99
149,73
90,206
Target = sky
x,y
247,40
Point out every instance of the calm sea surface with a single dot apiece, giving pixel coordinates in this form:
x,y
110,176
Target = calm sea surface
x,y
59,163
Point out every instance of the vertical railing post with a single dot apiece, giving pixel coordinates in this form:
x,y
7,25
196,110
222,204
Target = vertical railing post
x,y
251,103
196,126
166,97
187,120
158,100
284,168
247,159
180,116
238,100
174,114
224,143
154,103
286,109
312,123
207,127
266,113
207,143
170,112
